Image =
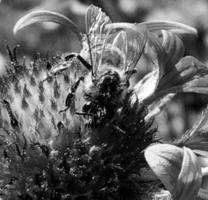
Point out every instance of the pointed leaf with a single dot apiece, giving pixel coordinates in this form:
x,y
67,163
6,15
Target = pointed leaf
x,y
42,16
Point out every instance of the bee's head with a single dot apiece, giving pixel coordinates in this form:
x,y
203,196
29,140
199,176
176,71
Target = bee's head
x,y
109,82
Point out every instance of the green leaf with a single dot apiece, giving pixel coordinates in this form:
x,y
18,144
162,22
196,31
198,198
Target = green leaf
x,y
42,16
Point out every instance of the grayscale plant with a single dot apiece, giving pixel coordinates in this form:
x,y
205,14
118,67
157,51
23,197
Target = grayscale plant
x,y
81,127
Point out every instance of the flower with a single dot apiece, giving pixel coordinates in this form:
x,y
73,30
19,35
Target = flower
x,y
84,121
178,169
183,165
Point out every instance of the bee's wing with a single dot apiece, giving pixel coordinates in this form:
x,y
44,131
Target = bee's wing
x,y
136,41
120,48
113,51
95,21
90,18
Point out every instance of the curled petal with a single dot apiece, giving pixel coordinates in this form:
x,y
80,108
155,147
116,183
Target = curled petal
x,y
186,76
165,161
146,87
174,49
154,26
190,177
42,16
174,27
177,168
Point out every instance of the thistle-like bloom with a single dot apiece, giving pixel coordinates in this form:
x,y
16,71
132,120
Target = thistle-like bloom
x,y
84,122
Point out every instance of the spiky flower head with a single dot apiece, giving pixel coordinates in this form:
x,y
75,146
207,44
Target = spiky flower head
x,y
76,127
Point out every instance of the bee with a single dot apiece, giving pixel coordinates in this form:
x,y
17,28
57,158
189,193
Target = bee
x,y
110,57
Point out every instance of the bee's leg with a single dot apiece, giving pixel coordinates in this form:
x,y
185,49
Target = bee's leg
x,y
64,110
70,96
68,102
80,58
13,121
76,84
84,62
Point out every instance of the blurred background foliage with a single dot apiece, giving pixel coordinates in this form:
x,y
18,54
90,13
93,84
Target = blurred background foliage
x,y
51,39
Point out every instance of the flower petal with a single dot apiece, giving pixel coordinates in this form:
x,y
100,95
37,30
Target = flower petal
x,y
174,49
146,87
172,26
186,76
165,160
190,177
177,168
42,16
154,26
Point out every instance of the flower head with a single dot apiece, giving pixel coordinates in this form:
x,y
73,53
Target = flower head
x,y
83,134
